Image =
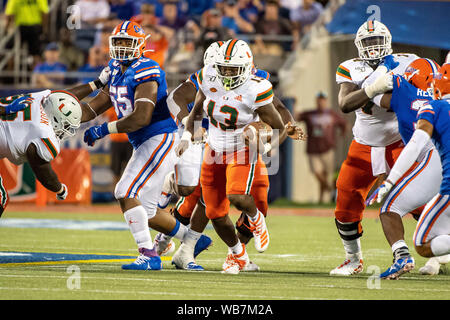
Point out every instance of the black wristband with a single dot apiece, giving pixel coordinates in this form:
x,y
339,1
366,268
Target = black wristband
x,y
98,84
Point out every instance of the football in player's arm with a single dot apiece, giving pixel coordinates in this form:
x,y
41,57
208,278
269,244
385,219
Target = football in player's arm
x,y
267,114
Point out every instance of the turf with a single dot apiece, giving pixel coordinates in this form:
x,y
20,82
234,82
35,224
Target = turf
x,y
302,251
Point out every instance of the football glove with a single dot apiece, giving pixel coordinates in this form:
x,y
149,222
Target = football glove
x,y
105,75
380,193
63,194
18,105
95,133
389,62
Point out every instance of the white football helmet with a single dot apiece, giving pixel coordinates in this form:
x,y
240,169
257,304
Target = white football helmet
x,y
234,62
210,53
64,111
373,41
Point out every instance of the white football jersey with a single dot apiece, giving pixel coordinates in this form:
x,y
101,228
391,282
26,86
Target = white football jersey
x,y
31,125
375,127
230,111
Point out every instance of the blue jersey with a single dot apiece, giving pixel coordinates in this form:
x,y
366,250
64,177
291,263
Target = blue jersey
x,y
437,112
405,102
193,79
122,87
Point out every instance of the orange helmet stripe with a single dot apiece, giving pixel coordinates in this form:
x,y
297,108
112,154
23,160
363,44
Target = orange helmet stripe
x,y
230,49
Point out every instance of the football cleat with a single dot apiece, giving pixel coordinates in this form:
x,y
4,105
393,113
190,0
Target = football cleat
x,y
251,267
260,233
234,263
183,257
164,244
348,268
431,267
203,243
147,260
399,267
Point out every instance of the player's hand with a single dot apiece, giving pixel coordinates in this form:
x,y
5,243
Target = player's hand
x,y
389,62
383,190
382,84
295,132
105,75
62,195
95,133
181,147
200,136
380,193
18,105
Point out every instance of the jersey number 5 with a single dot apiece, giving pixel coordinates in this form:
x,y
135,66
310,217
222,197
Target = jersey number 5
x,y
11,117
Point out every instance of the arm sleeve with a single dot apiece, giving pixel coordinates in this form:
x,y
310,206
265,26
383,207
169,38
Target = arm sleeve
x,y
43,5
10,7
47,148
409,155
343,74
264,95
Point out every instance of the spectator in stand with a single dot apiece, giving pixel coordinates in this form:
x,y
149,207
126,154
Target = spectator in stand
x,y
321,127
147,15
271,24
123,9
69,54
121,149
248,11
213,30
156,4
31,17
50,73
232,19
93,13
157,45
304,17
95,65
170,18
197,7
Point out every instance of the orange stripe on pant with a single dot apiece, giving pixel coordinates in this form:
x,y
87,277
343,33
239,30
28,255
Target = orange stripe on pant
x,y
145,165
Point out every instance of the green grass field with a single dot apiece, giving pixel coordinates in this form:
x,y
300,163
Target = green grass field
x,y
302,251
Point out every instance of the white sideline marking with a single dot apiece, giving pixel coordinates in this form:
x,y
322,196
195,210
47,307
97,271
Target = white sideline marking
x,y
63,224
162,293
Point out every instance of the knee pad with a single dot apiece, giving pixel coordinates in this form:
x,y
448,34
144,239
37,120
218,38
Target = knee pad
x,y
242,225
349,230
183,220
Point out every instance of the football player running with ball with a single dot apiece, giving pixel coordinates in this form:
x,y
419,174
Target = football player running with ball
x,y
377,142
232,98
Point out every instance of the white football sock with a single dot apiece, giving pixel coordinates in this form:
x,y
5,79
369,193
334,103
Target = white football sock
x,y
191,238
440,245
179,231
444,259
237,249
352,249
253,219
137,221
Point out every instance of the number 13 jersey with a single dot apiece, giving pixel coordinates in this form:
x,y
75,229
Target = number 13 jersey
x,y
230,111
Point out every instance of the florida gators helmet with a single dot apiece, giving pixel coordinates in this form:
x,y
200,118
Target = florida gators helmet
x,y
441,82
127,41
420,73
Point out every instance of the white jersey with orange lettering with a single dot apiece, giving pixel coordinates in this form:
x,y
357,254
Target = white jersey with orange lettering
x,y
230,111
373,126
31,125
